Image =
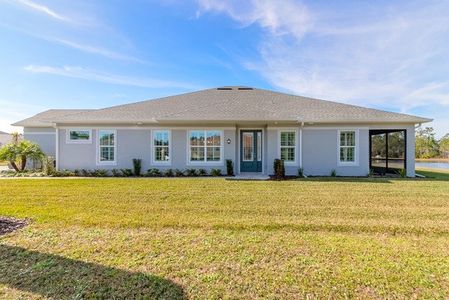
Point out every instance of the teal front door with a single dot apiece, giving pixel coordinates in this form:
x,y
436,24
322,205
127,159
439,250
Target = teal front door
x,y
251,151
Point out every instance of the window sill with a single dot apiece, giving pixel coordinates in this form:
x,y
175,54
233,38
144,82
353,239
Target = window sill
x,y
348,164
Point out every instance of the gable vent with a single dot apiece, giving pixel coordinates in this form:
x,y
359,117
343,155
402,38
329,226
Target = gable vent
x,y
245,89
224,89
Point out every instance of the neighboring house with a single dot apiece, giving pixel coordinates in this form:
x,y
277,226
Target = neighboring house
x,y
251,127
5,138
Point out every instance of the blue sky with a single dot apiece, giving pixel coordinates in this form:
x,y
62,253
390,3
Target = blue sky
x,y
390,55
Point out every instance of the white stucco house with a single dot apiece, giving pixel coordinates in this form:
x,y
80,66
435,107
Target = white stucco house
x,y
249,126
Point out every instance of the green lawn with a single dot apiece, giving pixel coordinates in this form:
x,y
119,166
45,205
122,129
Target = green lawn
x,y
212,238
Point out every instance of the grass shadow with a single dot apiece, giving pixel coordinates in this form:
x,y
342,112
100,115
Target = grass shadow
x,y
62,278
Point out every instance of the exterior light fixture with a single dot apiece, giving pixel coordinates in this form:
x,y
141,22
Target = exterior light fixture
x,y
228,141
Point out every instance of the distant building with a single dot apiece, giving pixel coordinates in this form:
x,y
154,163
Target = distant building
x,y
5,138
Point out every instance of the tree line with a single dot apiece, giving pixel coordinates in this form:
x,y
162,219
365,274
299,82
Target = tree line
x,y
428,146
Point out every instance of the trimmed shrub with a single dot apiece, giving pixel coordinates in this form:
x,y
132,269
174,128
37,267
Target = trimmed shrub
x,y
127,172
179,173
63,173
154,172
99,173
116,172
137,165
169,173
215,172
191,172
229,167
279,169
202,172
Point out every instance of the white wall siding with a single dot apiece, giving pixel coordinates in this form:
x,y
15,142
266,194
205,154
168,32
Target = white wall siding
x,y
137,144
320,153
44,137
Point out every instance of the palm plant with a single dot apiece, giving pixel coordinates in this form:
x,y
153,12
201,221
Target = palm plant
x,y
21,151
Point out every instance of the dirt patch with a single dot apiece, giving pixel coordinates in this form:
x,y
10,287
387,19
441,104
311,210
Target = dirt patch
x,y
8,224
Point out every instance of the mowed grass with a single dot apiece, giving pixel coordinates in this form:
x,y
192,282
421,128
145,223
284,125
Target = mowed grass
x,y
212,238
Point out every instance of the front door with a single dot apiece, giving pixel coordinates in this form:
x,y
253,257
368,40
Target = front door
x,y
251,151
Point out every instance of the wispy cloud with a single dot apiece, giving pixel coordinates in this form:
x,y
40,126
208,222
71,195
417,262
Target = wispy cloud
x,y
96,50
89,74
388,56
13,111
44,10
278,17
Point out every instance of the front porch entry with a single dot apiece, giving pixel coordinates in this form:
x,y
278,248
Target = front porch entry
x,y
250,151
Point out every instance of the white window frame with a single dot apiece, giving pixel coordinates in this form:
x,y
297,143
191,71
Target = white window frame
x,y
295,131
205,162
155,162
356,148
107,163
70,141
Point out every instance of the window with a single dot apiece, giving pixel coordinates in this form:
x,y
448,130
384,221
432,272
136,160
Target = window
x,y
161,146
288,146
79,136
107,146
347,147
205,146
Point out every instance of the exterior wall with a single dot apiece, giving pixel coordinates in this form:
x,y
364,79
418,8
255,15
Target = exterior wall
x,y
320,153
273,150
136,143
316,151
45,137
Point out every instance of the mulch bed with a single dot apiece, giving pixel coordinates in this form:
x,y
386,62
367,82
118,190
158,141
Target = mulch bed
x,y
8,225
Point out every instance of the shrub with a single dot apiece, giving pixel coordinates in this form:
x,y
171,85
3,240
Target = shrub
x,y
48,166
85,173
279,169
154,172
99,173
62,173
215,172
191,172
169,173
179,173
126,172
137,165
402,173
202,172
116,172
21,151
77,172
334,173
229,167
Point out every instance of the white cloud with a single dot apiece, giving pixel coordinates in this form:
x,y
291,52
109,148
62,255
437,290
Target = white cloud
x,y
278,17
89,74
43,9
385,56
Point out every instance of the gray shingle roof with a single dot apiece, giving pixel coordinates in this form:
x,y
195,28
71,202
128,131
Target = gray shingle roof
x,y
46,118
235,104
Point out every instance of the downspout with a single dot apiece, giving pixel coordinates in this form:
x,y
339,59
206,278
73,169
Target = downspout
x,y
56,146
300,145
